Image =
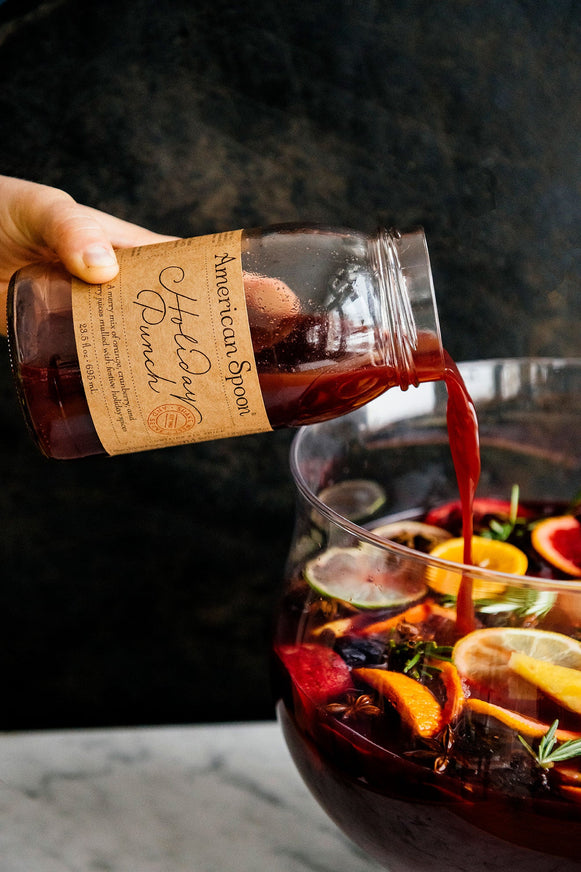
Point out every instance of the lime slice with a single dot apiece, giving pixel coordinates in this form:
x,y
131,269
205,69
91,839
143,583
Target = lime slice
x,y
364,578
354,498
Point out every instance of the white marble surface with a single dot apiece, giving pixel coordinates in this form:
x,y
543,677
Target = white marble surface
x,y
189,799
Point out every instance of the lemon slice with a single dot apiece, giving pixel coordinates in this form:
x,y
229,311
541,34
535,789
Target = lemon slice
x,y
490,554
483,658
412,534
560,683
354,499
365,578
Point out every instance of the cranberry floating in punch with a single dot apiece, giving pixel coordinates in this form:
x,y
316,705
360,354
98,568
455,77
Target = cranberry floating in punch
x,y
221,335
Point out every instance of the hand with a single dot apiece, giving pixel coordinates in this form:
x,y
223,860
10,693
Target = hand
x,y
42,223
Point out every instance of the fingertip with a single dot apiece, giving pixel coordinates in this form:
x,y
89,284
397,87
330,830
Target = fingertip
x,y
95,264
99,256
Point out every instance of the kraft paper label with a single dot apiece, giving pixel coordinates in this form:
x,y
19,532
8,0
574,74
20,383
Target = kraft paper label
x,y
165,349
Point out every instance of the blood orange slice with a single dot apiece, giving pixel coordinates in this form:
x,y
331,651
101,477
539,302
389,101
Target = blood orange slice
x,y
449,515
558,540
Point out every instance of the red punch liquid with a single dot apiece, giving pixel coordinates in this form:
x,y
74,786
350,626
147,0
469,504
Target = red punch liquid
x,y
465,450
464,795
404,815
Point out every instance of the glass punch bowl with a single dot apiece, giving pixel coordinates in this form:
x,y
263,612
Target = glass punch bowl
x,y
433,744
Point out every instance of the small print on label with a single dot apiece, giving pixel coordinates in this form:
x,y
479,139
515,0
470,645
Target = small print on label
x,y
171,420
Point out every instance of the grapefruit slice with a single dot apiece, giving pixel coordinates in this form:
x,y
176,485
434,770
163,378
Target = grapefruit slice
x,y
558,540
319,672
450,514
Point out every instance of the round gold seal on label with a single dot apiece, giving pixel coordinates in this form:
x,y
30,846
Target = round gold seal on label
x,y
171,419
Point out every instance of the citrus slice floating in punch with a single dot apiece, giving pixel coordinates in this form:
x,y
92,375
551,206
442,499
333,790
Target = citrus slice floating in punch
x,y
490,554
558,540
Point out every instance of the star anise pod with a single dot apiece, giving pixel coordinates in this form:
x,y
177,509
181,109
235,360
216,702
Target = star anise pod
x,y
439,748
353,706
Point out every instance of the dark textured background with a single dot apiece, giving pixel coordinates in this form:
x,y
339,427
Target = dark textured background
x,y
138,590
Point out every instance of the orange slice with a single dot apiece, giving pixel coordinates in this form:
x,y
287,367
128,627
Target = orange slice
x,y
487,554
558,540
560,683
527,726
450,678
418,614
568,773
414,615
572,792
416,705
482,658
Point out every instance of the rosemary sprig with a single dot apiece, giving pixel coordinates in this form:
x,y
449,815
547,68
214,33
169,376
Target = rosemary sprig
x,y
416,654
547,754
502,530
521,602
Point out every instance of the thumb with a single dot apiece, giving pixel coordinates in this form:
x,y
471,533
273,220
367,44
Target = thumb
x,y
78,239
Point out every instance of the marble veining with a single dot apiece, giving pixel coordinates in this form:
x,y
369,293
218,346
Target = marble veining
x,y
187,799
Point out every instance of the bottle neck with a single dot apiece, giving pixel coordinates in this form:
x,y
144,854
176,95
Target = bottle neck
x,y
410,338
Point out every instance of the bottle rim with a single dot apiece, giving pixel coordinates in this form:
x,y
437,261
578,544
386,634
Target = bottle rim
x,y
408,306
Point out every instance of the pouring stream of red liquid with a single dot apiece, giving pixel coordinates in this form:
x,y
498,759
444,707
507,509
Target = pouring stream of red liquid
x,y
465,450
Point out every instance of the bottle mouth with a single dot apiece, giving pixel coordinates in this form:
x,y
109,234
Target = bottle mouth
x,y
407,300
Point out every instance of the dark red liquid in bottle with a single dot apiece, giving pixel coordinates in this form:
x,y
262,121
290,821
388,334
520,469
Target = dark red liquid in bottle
x,y
57,410
305,378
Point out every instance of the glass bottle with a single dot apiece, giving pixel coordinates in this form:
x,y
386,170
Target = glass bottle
x,y
336,317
